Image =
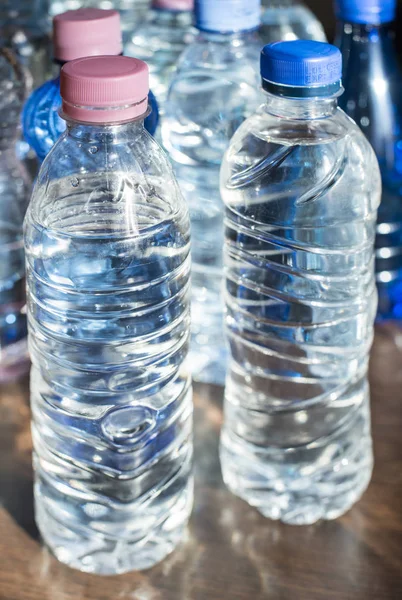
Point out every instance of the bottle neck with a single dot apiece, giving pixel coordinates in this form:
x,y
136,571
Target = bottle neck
x,y
227,37
105,133
301,108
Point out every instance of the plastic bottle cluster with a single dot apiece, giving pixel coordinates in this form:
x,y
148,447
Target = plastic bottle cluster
x,y
221,228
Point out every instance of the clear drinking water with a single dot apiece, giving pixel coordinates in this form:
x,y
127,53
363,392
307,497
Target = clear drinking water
x,y
107,245
372,80
15,189
160,40
289,20
215,88
41,123
301,188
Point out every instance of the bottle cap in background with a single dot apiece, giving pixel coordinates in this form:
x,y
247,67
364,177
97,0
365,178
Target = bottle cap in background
x,y
173,5
302,64
104,89
86,32
372,12
227,16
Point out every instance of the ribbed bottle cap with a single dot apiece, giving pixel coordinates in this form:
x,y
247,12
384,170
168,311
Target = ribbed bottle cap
x,y
173,5
372,12
104,89
86,32
226,16
302,64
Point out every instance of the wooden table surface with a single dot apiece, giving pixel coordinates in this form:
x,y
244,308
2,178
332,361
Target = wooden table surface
x,y
231,552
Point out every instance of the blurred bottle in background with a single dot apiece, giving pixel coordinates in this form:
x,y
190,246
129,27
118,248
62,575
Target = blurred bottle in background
x,y
301,187
373,98
24,27
160,41
215,88
289,20
15,189
76,34
108,265
132,12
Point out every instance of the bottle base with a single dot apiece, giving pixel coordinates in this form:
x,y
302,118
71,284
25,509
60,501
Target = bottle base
x,y
300,500
103,555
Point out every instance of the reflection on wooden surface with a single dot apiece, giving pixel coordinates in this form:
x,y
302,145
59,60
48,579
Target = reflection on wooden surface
x,y
231,552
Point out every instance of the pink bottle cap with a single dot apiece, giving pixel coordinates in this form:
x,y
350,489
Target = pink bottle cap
x,y
86,32
176,5
104,89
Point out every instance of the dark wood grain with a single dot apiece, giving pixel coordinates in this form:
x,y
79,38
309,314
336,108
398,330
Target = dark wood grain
x,y
231,552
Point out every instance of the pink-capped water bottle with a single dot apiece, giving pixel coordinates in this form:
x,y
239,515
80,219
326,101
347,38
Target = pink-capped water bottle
x,y
107,245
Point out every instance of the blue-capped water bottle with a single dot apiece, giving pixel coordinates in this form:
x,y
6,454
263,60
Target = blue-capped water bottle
x,y
301,187
372,81
107,239
76,34
289,20
215,88
160,40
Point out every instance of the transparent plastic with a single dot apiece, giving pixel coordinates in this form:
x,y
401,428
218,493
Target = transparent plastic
x,y
372,80
108,265
301,187
42,125
289,20
159,41
215,88
15,189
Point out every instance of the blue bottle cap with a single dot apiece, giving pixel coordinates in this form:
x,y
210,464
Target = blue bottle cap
x,y
225,16
371,12
302,64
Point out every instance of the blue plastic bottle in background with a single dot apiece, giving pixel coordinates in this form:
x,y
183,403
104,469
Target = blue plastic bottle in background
x,y
301,187
373,98
289,20
41,122
15,189
215,88
160,40
24,27
107,239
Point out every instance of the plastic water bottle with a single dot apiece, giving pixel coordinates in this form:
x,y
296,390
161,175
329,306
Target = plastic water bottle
x,y
301,188
41,122
15,189
107,246
289,20
215,88
161,39
24,28
372,81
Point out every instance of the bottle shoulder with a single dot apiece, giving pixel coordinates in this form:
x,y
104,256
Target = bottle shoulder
x,y
302,131
220,55
122,172
324,167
